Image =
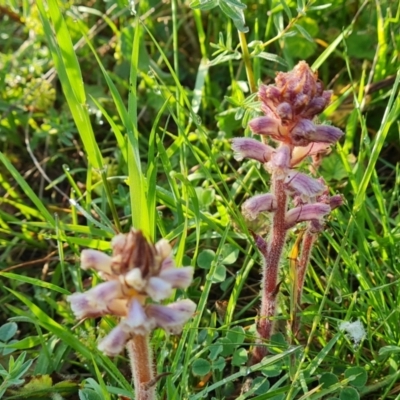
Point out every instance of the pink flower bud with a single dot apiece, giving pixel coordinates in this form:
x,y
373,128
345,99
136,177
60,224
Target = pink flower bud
x,y
301,101
303,184
327,134
96,260
335,201
307,212
178,277
284,111
301,133
251,148
270,95
257,204
265,126
114,342
318,104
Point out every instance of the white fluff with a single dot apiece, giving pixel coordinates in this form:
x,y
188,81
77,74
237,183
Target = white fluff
x,y
355,330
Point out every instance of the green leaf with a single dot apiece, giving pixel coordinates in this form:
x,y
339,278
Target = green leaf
x,y
88,394
204,5
215,350
219,364
236,335
286,8
229,254
333,169
239,356
201,367
328,379
389,350
272,370
7,331
359,375
219,274
262,385
296,45
205,259
227,347
349,393
271,57
27,190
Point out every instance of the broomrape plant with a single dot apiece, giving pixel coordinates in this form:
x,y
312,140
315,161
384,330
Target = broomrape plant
x,y
136,273
290,107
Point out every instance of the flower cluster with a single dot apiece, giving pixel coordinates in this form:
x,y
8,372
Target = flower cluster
x,y
290,107
136,271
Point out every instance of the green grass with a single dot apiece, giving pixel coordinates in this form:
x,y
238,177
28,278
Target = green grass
x,y
110,120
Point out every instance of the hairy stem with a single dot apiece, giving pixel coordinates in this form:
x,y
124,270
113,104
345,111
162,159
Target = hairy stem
x,y
270,285
306,249
140,356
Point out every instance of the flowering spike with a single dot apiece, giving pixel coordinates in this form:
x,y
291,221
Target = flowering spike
x,y
289,107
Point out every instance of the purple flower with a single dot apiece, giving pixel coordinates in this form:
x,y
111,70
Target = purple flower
x,y
251,148
257,204
308,212
303,185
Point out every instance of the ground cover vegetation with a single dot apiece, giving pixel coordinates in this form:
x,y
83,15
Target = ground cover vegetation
x,y
116,115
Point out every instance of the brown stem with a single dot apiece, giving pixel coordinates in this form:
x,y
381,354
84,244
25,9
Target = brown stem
x,y
271,269
140,356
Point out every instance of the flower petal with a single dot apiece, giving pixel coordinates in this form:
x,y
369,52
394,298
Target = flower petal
x,y
303,184
327,134
172,317
114,342
97,260
251,148
265,126
257,204
299,153
335,201
158,289
134,279
303,132
307,212
178,277
137,320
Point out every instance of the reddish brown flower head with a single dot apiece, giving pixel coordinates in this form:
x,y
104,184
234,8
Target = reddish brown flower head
x,y
290,106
